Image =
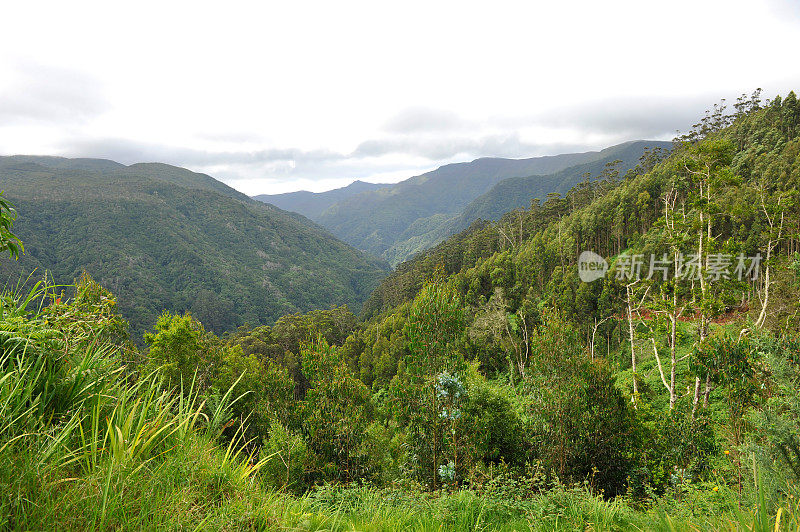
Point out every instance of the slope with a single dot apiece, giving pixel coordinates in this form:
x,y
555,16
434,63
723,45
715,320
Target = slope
x,y
514,193
313,204
376,221
163,237
518,192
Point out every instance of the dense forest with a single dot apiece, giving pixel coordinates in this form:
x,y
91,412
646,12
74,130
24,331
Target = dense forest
x,y
496,381
162,237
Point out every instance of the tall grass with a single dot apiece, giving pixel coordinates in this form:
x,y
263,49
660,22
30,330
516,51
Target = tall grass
x,y
68,407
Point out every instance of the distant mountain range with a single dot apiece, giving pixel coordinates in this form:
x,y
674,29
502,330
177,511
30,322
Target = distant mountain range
x,y
396,221
312,204
163,237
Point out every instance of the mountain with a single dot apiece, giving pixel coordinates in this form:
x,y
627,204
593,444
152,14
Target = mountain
x,y
518,192
375,220
163,237
542,242
313,204
397,221
101,170
514,193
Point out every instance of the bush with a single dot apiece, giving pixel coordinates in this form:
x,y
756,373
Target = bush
x,y
583,428
287,459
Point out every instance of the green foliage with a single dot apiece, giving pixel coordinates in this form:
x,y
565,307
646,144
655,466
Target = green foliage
x,y
70,411
776,425
289,458
163,238
336,412
8,241
433,329
184,350
421,392
493,430
582,426
265,391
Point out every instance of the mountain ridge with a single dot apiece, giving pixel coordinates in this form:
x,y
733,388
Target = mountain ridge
x,y
166,238
396,221
311,204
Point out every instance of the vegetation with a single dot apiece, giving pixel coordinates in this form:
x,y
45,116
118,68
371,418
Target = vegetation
x,y
516,193
485,387
395,222
162,237
312,204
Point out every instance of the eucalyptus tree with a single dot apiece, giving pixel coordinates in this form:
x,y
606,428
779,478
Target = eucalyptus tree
x,y
8,240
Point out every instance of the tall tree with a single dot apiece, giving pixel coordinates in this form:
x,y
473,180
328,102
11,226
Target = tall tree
x,y
8,240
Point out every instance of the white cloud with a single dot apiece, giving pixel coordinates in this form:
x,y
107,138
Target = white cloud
x,y
306,94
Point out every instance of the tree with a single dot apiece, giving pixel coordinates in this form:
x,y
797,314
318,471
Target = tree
x,y
707,165
183,350
581,424
433,331
336,412
8,240
263,391
731,363
774,210
510,330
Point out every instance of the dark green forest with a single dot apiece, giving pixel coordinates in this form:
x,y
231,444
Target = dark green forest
x,y
484,385
164,238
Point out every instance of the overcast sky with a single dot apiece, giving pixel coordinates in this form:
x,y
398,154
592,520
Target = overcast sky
x,y
278,96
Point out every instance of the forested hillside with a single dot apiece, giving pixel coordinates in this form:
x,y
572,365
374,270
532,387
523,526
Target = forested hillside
x,y
313,204
622,357
163,237
518,193
397,221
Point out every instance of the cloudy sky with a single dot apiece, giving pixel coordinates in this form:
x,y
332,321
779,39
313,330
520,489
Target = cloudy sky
x,y
279,96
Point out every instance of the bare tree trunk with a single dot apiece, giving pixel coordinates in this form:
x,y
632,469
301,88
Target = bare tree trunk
x,y
661,371
707,391
672,341
696,398
762,316
597,324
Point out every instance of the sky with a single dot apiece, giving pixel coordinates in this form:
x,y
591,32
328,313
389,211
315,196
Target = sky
x,y
272,97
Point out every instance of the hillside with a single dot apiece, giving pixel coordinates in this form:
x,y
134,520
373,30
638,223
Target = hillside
x,y
397,221
163,237
610,215
516,193
373,221
313,204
